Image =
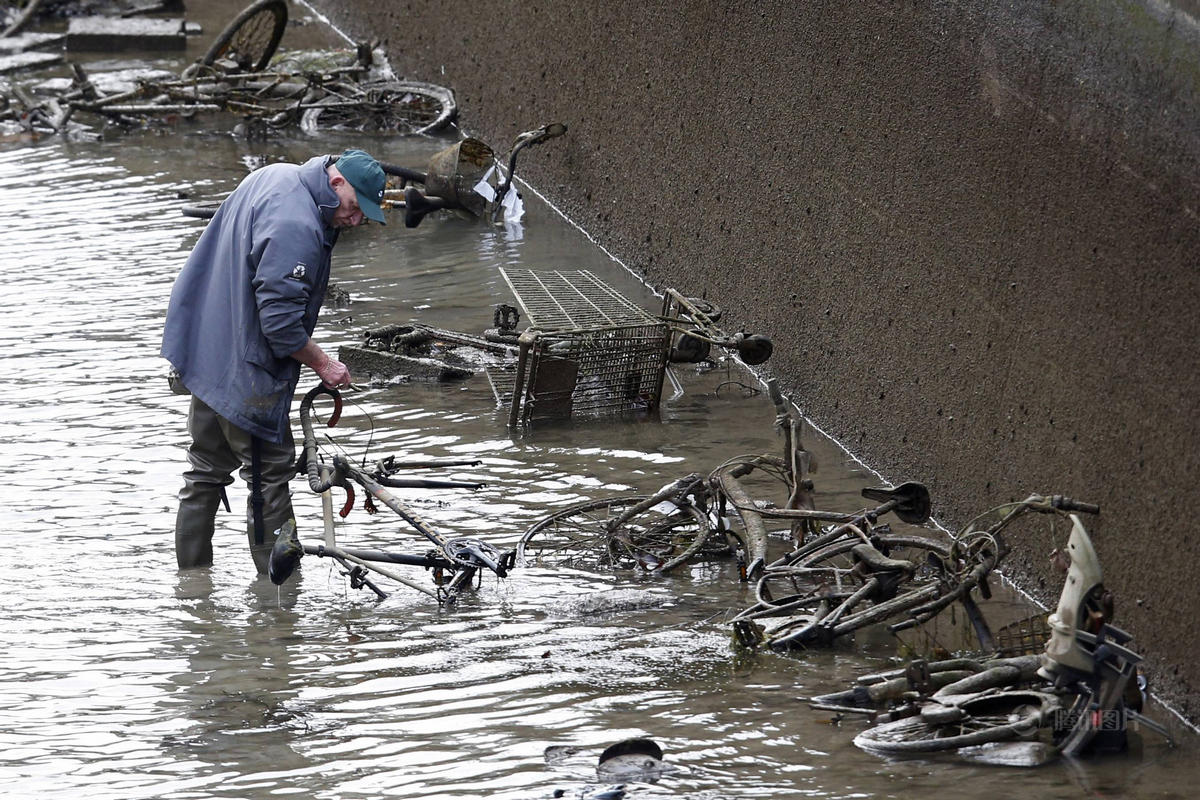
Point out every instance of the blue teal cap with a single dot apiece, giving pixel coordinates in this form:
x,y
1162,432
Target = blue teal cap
x,y
368,180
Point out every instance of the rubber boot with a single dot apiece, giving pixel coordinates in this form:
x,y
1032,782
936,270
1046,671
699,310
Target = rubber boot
x,y
194,525
261,553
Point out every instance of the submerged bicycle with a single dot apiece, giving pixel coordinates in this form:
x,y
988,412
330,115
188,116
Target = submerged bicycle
x,y
460,178
467,177
453,562
1082,694
236,77
685,520
857,575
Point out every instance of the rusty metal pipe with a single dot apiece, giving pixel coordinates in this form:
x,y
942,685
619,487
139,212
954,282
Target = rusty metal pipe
x,y
752,521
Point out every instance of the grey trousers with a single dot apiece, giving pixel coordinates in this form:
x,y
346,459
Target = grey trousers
x,y
219,448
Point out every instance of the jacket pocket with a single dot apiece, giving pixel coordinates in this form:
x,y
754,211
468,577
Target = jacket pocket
x,y
258,353
269,388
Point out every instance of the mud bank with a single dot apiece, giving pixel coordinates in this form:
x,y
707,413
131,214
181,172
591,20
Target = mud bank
x,y
971,229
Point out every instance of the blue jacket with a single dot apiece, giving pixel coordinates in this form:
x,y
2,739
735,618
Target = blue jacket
x,y
249,295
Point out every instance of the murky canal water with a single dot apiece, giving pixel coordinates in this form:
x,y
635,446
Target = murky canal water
x,y
121,677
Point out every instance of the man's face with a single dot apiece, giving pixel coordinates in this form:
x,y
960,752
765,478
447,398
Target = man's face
x,y
348,214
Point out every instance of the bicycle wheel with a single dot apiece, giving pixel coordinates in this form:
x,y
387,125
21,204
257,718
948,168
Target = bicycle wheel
x,y
399,107
579,537
852,599
252,37
1000,717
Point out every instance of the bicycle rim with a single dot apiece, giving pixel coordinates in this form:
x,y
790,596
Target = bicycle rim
x,y
393,107
252,38
826,576
994,718
578,537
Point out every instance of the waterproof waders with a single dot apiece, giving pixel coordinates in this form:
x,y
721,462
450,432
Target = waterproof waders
x,y
219,448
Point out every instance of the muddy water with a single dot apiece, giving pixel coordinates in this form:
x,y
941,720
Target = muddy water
x,y
123,678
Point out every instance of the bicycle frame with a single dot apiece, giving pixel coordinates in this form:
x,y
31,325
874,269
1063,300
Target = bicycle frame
x,y
1083,676
460,558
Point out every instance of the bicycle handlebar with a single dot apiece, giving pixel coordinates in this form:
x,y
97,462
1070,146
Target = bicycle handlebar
x,y
407,173
1056,504
1043,504
984,558
1064,503
537,136
315,482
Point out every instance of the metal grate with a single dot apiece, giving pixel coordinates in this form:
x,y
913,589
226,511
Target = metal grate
x,y
571,299
503,380
596,372
1024,637
588,352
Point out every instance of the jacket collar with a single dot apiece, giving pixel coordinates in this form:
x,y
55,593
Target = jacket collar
x,y
316,180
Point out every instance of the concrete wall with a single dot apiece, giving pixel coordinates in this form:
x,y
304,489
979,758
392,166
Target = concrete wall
x,y
971,228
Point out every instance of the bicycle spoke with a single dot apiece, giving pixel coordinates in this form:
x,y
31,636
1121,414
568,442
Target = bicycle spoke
x,y
395,107
254,35
582,536
854,595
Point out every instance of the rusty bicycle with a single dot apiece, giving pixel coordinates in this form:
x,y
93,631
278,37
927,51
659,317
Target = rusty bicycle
x,y
685,520
452,562
468,178
240,77
856,575
1080,695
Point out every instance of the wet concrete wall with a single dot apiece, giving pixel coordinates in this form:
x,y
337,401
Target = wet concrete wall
x,y
971,228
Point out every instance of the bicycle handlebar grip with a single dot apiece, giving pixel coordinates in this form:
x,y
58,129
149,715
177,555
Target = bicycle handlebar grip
x,y
1067,504
349,506
337,406
409,174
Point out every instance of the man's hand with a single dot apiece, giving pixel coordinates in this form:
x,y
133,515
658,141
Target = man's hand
x,y
333,373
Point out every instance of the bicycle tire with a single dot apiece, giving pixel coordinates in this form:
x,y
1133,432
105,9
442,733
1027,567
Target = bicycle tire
x,y
810,578
578,537
836,558
201,210
999,717
252,38
396,107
